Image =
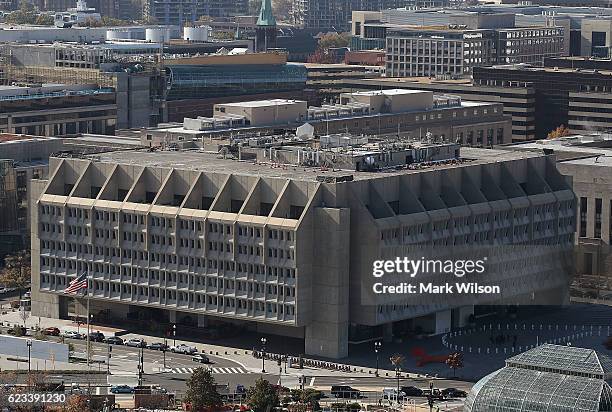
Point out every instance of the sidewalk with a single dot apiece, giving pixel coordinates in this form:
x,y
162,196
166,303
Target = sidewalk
x,y
241,356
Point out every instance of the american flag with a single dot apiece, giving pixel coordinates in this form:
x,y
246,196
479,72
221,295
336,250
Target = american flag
x,y
80,282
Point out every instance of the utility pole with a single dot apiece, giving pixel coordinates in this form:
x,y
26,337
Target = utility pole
x,y
141,366
108,358
377,346
263,355
29,343
164,351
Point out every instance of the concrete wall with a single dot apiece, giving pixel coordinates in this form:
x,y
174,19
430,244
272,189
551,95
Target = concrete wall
x,y
43,304
589,26
274,113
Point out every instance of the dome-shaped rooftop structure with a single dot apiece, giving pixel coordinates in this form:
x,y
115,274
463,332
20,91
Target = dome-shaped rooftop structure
x,y
546,378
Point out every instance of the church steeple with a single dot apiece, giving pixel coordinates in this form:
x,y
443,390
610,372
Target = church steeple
x,y
266,15
265,31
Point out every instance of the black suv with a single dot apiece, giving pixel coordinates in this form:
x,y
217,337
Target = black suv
x,y
96,336
344,391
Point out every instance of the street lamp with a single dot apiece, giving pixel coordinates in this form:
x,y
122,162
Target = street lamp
x,y
29,343
164,351
263,355
377,346
430,397
398,370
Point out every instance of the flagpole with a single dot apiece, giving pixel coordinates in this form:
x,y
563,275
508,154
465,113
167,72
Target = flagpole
x,y
88,339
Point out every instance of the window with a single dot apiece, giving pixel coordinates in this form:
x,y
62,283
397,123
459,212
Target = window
x,y
583,216
598,218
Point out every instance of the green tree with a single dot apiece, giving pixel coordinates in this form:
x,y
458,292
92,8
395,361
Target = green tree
x,y
332,40
44,20
201,390
25,15
263,396
309,397
16,272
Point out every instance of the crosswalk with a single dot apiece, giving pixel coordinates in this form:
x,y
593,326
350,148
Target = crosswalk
x,y
213,370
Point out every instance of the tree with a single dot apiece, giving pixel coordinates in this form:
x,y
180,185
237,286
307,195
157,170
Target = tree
x,y
24,315
25,15
201,390
44,20
455,361
333,40
263,396
308,397
558,132
17,272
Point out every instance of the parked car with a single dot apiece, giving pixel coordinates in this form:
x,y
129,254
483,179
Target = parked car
x,y
72,334
121,389
182,348
157,346
136,343
391,394
200,357
453,393
344,391
114,340
51,331
96,336
412,391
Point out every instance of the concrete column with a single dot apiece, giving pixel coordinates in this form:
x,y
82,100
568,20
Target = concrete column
x,y
443,322
172,316
327,333
202,321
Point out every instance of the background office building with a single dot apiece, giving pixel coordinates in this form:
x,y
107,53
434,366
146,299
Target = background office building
x,y
336,14
565,92
177,236
172,12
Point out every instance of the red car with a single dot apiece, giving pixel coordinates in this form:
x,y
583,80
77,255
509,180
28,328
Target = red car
x,y
51,331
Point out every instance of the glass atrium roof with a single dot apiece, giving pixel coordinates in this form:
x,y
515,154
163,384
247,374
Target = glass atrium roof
x,y
548,378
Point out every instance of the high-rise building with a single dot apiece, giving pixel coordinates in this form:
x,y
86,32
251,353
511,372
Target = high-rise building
x,y
336,14
285,244
179,12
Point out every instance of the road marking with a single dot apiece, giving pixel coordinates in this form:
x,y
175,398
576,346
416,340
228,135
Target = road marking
x,y
312,381
226,370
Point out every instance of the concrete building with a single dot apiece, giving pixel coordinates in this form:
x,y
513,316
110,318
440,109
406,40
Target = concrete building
x,y
596,37
266,112
587,160
183,11
513,27
29,159
394,112
575,97
336,14
57,110
519,100
454,51
195,237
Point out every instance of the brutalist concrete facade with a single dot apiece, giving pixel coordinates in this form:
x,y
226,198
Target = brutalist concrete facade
x,y
282,247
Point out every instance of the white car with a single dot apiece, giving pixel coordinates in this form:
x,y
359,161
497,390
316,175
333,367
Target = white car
x,y
391,394
71,334
182,348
